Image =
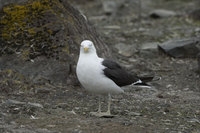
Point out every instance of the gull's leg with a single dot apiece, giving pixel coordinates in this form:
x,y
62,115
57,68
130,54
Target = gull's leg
x,y
109,103
103,114
99,110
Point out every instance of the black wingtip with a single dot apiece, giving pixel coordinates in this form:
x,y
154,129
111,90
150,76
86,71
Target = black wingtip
x,y
146,79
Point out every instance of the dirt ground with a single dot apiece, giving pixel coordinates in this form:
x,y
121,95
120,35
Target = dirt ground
x,y
172,105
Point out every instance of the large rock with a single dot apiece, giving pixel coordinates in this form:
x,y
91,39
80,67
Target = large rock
x,y
41,38
181,48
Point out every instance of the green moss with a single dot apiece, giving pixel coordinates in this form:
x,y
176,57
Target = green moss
x,y
50,32
17,17
31,31
25,54
9,72
25,29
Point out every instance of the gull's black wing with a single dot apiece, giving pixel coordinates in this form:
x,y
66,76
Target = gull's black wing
x,y
117,74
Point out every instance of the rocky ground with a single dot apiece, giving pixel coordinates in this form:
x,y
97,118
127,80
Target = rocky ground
x,y
171,106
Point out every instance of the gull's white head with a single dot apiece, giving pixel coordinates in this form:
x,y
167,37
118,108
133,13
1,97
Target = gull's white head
x,y
87,46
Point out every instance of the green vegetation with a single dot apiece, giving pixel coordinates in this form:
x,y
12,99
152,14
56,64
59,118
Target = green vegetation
x,y
25,29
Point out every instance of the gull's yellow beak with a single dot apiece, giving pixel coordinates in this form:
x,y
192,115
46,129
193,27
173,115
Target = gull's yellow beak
x,y
85,49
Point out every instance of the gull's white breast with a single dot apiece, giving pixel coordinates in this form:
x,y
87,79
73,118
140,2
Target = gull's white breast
x,y
90,74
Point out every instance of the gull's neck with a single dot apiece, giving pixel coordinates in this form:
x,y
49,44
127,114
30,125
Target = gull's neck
x,y
89,55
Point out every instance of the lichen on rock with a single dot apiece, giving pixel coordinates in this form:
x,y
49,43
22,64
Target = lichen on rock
x,y
26,29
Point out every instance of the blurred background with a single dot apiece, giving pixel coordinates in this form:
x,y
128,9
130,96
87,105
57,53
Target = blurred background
x,y
39,48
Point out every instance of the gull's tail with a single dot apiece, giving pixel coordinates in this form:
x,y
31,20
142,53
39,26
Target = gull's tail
x,y
144,80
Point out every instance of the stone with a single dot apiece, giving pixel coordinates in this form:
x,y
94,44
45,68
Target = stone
x,y
181,48
14,102
124,49
135,114
35,105
149,50
161,13
109,7
149,46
